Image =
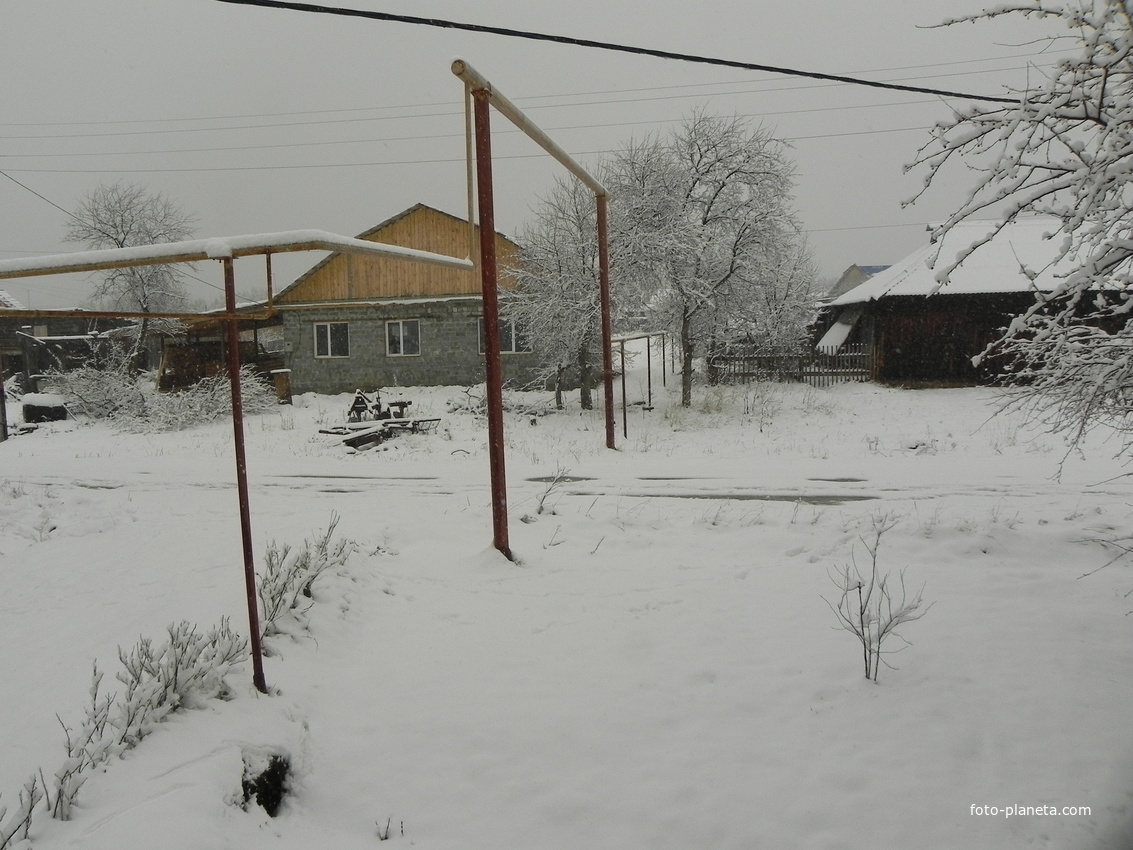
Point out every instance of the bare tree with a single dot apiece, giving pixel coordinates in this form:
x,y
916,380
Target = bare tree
x,y
870,607
124,215
1064,150
704,226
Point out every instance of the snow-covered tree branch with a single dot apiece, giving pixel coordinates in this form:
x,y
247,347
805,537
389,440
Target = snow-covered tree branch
x,y
1065,150
704,244
708,239
556,301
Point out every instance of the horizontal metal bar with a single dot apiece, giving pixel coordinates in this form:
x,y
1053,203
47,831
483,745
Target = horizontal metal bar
x,y
513,113
217,249
111,314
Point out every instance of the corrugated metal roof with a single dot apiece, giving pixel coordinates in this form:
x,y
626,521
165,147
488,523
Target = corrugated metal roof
x,y
994,267
7,302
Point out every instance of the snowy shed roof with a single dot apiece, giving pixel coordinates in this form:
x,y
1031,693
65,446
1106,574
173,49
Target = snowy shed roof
x,y
995,267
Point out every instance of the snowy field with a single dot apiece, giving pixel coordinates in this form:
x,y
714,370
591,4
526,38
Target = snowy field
x,y
659,670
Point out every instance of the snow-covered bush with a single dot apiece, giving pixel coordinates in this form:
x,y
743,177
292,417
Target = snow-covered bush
x,y
184,671
206,401
16,828
100,393
286,581
130,401
869,608
473,400
13,388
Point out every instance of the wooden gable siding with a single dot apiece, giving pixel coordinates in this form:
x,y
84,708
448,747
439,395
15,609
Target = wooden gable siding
x,y
350,277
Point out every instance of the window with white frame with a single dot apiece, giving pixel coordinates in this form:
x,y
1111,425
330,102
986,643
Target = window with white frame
x,y
332,339
513,337
403,338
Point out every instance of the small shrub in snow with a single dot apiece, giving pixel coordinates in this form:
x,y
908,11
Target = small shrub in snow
x,y
762,402
287,578
714,400
384,832
182,672
17,827
554,483
473,400
869,607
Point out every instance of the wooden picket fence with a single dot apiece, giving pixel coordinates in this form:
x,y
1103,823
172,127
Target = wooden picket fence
x,y
853,363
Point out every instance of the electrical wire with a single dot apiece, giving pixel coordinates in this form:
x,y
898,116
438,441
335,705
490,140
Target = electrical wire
x,y
34,192
604,45
398,162
428,137
501,31
532,101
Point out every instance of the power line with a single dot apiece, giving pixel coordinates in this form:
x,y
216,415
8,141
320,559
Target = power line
x,y
603,45
41,197
530,101
425,137
444,114
399,162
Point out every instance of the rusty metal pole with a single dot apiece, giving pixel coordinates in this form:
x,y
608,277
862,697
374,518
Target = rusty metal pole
x,y
270,281
649,372
480,86
601,202
242,478
3,405
492,370
625,414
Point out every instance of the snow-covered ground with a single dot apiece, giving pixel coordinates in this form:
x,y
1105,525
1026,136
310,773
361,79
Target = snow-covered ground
x,y
659,669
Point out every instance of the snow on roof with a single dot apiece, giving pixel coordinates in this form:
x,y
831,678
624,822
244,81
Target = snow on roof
x,y
994,267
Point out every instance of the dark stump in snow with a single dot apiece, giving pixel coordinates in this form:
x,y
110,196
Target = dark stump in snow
x,y
269,786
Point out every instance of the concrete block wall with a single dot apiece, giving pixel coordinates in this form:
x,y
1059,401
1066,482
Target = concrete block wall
x,y
449,348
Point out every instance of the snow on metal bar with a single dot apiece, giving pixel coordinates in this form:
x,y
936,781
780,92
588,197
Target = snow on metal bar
x,y
217,248
513,113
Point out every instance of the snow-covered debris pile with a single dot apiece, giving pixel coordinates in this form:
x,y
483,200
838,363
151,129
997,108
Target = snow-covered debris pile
x,y
133,404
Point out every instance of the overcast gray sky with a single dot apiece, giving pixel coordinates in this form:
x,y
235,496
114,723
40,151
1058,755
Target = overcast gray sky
x,y
260,120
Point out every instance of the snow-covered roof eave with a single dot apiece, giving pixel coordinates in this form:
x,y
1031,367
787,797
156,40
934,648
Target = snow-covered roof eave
x,y
217,248
995,268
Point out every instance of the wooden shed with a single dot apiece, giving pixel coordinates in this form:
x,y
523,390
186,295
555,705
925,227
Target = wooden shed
x,y
919,332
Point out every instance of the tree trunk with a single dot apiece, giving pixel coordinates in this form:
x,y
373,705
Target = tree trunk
x,y
585,378
686,364
139,357
559,388
712,361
